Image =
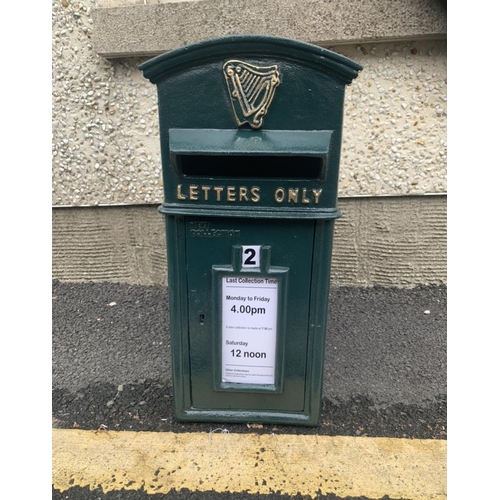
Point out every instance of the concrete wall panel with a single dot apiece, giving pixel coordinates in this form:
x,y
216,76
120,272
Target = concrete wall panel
x,y
397,242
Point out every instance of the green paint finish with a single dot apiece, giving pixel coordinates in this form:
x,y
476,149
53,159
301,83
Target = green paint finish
x,y
229,188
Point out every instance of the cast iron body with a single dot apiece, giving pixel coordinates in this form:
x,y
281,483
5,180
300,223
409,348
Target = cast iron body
x,y
250,130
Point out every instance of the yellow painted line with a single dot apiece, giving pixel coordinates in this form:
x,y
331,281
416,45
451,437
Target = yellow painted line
x,y
160,462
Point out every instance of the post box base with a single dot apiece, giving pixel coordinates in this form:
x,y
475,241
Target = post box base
x,y
226,416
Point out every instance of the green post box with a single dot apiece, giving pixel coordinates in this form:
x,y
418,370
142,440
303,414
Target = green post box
x,y
250,131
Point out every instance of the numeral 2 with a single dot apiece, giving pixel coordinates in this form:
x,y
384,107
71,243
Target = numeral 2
x,y
251,256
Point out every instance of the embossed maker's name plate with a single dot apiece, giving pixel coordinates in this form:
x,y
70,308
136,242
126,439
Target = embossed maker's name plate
x,y
249,323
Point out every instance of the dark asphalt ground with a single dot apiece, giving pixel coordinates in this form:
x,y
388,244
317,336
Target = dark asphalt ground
x,y
86,494
385,367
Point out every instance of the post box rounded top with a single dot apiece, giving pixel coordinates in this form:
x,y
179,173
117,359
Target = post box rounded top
x,y
305,54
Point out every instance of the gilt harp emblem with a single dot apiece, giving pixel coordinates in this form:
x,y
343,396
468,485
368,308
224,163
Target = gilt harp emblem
x,y
251,89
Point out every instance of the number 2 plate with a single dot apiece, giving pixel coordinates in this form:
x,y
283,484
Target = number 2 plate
x,y
250,256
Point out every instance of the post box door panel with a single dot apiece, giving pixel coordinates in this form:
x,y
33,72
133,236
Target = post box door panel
x,y
209,243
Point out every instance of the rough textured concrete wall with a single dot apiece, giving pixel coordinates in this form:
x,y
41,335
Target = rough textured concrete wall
x,y
390,242
116,244
105,120
378,241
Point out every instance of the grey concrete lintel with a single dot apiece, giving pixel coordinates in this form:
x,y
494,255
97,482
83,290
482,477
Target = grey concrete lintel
x,y
152,29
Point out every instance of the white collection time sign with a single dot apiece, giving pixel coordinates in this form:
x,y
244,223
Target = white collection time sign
x,y
249,325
